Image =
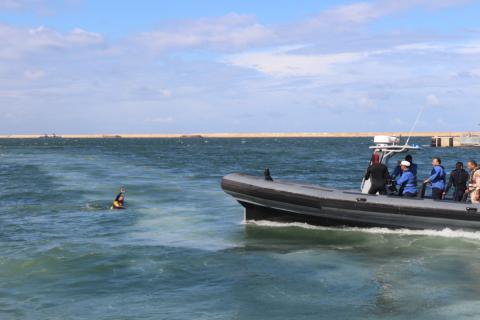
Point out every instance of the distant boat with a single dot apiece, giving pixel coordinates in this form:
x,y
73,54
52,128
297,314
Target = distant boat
x,y
278,200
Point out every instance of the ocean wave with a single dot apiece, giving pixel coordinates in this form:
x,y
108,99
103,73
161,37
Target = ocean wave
x,y
445,233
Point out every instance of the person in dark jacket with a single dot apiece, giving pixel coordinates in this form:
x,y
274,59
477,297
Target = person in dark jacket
x,y
378,174
459,180
437,179
407,182
397,172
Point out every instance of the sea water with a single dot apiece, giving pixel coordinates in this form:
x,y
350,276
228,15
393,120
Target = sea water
x,y
182,251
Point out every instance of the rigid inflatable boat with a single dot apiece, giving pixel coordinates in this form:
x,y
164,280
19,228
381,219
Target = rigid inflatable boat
x,y
285,201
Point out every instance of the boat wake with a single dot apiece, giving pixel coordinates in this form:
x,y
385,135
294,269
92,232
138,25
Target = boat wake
x,y
445,233
97,206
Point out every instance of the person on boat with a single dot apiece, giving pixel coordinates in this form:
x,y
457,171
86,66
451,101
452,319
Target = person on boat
x,y
397,172
267,175
119,202
459,180
407,182
437,179
474,182
378,174
413,166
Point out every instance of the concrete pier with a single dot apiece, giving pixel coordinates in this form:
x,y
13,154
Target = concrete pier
x,y
467,140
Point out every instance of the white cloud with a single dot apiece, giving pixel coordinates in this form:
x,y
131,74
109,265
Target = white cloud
x,y
18,42
234,32
237,31
228,32
284,64
412,47
351,16
290,61
432,100
472,48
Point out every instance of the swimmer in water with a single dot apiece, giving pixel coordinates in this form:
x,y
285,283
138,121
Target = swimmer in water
x,y
118,203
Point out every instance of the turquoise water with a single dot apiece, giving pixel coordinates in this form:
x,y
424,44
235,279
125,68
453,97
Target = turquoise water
x,y
182,251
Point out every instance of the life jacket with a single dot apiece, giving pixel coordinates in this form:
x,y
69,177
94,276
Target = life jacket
x,y
117,205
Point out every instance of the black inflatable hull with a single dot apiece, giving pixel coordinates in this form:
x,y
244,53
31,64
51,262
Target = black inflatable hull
x,y
294,202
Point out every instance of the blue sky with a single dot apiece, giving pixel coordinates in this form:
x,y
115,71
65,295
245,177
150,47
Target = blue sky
x,y
79,66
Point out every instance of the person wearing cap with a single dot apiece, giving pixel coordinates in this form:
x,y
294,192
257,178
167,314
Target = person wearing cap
x,y
378,174
437,179
406,182
397,172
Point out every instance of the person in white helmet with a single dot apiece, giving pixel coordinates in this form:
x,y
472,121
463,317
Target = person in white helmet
x,y
406,182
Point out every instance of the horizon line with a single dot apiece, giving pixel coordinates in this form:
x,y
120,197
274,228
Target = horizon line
x,y
244,135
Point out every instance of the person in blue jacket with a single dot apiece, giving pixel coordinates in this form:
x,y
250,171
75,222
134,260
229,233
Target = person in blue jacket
x,y
406,182
437,179
397,172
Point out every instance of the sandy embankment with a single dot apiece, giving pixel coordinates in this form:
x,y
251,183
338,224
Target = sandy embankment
x,y
241,135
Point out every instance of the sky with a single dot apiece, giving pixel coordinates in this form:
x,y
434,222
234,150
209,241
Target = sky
x,y
188,66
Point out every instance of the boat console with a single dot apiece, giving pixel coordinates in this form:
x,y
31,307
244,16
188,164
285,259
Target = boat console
x,y
386,147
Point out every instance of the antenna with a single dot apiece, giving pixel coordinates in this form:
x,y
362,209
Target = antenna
x,y
419,115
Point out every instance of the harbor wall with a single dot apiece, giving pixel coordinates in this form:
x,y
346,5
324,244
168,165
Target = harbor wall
x,y
466,140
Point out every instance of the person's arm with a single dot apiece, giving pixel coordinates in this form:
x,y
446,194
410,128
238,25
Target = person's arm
x,y
403,179
434,175
470,182
367,175
450,183
386,174
466,178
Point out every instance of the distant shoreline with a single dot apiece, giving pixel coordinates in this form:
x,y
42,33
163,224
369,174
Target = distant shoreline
x,y
236,135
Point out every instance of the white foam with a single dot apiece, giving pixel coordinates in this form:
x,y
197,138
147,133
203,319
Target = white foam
x,y
445,233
